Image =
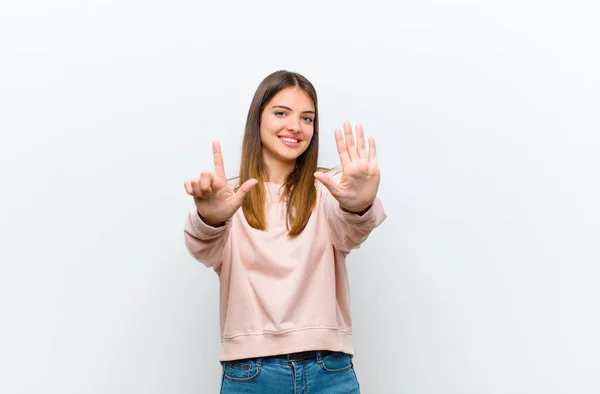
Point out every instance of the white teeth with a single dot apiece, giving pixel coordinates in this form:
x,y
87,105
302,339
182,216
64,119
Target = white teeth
x,y
291,140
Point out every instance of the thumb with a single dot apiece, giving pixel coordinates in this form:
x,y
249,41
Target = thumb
x,y
327,182
243,190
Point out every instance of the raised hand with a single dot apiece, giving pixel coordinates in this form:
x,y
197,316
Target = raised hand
x,y
357,187
215,199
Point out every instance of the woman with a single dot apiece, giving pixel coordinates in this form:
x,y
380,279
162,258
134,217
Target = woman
x,y
284,296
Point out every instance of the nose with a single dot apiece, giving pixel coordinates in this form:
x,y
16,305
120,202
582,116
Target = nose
x,y
293,124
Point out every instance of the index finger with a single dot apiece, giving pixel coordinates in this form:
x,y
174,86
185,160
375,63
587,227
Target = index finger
x,y
218,159
342,148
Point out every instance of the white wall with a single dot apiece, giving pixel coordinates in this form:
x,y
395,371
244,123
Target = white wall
x,y
484,278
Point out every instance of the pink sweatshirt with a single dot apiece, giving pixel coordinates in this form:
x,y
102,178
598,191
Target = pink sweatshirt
x,y
278,294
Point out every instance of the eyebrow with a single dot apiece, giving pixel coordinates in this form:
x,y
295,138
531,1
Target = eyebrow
x,y
289,109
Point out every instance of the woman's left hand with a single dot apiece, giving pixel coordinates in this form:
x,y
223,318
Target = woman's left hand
x,y
357,188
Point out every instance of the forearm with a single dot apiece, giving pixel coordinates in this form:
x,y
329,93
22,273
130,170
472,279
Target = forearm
x,y
204,242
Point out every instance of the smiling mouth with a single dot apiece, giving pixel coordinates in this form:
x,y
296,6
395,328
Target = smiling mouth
x,y
290,140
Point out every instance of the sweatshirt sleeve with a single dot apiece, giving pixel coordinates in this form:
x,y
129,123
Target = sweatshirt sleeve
x,y
204,242
349,230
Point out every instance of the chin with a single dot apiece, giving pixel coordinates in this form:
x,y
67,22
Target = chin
x,y
289,159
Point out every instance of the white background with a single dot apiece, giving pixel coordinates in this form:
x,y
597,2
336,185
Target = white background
x,y
484,279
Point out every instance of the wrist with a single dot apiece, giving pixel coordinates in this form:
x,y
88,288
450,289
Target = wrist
x,y
357,212
209,222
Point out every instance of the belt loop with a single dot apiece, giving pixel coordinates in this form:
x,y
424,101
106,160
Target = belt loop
x,y
259,362
319,357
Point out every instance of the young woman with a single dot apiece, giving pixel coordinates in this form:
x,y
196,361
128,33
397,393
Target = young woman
x,y
278,240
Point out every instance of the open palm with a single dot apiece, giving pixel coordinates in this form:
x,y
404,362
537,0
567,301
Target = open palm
x,y
357,187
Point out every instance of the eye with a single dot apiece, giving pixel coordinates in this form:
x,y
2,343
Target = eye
x,y
308,119
279,113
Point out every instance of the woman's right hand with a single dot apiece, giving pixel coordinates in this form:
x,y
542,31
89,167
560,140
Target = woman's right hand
x,y
215,199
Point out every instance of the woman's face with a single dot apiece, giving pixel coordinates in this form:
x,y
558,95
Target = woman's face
x,y
287,126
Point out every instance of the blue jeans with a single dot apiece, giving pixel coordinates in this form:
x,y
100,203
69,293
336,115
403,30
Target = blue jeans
x,y
298,373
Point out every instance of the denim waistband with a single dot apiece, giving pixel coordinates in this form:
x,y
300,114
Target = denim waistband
x,y
301,356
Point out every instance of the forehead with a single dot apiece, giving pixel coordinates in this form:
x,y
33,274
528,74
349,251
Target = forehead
x,y
294,98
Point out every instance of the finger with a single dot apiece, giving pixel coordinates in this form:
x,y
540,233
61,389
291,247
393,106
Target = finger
x,y
205,182
188,188
350,141
327,182
243,191
360,142
341,148
372,151
218,159
196,191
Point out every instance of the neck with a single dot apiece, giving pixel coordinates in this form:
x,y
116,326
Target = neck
x,y
278,171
